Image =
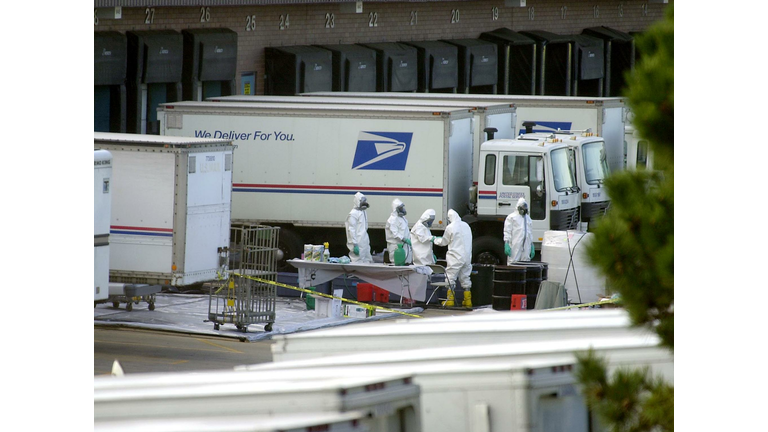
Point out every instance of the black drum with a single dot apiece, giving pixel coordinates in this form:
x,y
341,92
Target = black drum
x,y
509,273
507,288
501,303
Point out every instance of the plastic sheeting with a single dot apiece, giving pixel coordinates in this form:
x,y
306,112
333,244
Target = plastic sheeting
x,y
565,251
391,278
187,313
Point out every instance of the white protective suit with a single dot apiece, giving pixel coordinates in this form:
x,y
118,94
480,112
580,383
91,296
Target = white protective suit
x,y
396,231
518,233
357,232
421,237
458,238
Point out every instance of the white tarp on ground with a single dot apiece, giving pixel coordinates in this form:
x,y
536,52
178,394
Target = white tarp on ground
x,y
397,280
187,313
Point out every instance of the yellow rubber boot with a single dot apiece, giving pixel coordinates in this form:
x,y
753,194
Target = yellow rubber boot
x,y
467,299
450,301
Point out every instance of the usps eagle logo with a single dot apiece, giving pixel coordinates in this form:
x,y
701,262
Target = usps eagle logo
x,y
382,151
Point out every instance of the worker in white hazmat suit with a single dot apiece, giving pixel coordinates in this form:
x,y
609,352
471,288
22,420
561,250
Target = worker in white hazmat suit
x,y
422,239
358,243
397,233
458,238
518,234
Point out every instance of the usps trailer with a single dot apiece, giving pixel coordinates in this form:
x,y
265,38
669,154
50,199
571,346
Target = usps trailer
x,y
171,205
300,165
621,351
102,205
388,336
353,421
488,115
389,401
605,116
458,381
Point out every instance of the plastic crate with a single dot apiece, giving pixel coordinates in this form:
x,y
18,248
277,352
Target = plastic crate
x,y
365,292
519,302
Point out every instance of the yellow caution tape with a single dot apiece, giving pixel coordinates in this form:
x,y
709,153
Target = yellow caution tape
x,y
365,305
597,303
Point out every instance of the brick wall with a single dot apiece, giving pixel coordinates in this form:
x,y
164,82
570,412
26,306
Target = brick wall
x,y
259,26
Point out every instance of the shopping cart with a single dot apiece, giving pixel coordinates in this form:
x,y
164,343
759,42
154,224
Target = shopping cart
x,y
237,299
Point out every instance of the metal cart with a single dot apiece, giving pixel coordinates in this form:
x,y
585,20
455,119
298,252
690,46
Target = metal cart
x,y
133,294
239,300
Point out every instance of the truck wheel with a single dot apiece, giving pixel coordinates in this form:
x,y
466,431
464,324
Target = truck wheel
x,y
129,306
290,246
488,250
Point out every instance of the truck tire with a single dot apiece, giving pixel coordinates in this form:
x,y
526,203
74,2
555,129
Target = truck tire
x,y
290,246
488,250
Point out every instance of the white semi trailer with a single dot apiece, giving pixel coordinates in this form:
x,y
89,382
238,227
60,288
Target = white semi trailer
x,y
605,116
102,202
171,200
299,166
499,116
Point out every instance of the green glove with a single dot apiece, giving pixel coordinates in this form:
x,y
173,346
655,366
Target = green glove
x,y
433,239
434,258
356,250
533,251
407,241
507,249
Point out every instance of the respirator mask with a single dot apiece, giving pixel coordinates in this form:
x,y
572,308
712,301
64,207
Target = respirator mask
x,y
363,204
523,209
401,210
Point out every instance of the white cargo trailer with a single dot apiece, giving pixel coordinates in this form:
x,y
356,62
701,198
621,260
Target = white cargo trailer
x,y
102,202
387,336
639,154
352,421
389,401
455,395
171,201
501,117
606,116
301,164
455,380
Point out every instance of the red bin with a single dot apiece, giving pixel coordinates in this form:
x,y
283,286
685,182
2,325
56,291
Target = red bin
x,y
519,302
365,292
380,294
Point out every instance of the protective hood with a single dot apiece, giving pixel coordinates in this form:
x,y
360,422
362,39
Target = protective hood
x,y
358,199
430,213
395,204
521,203
453,216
